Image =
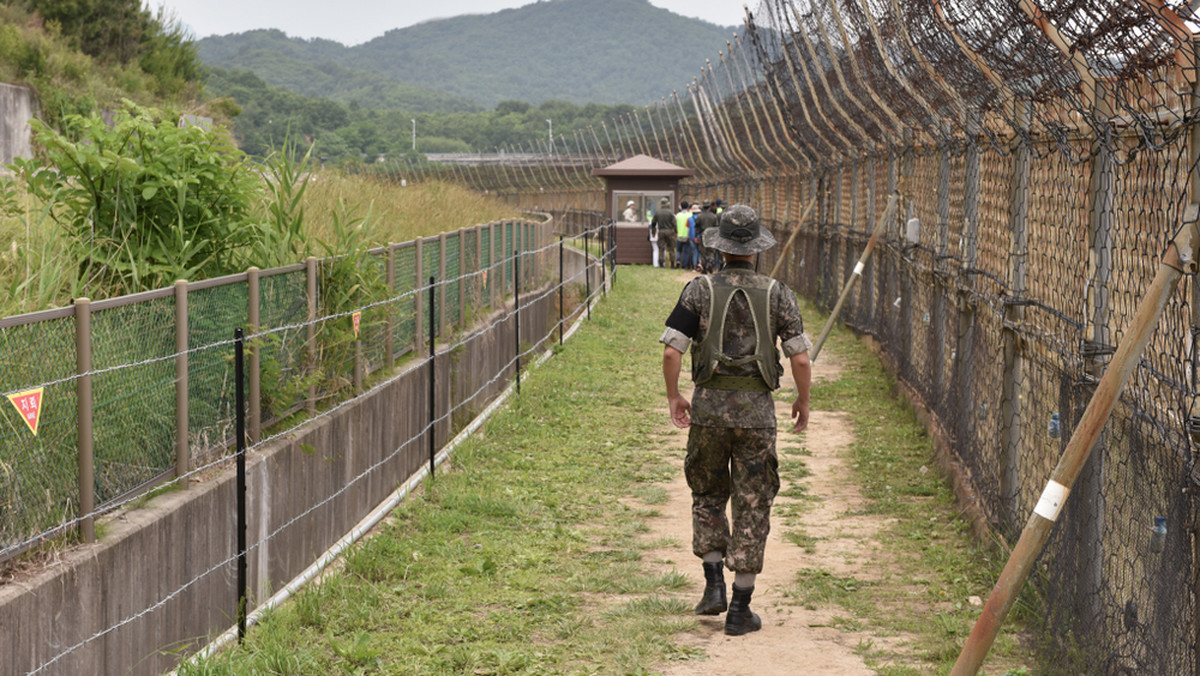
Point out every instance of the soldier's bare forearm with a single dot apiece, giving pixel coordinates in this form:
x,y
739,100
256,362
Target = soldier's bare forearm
x,y
672,362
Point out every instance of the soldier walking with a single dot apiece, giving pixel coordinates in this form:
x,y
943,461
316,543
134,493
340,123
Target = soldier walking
x,y
731,320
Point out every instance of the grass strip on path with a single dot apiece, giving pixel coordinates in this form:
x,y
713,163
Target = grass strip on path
x,y
523,560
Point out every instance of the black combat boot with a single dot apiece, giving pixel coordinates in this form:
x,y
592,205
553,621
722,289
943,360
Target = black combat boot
x,y
713,601
739,620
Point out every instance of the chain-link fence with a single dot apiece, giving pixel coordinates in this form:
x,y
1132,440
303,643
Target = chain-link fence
x,y
1042,159
139,389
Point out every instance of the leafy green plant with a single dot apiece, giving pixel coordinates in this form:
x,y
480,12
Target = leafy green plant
x,y
283,237
358,652
146,201
350,280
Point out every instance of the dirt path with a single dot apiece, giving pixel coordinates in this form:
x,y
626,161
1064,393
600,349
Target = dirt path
x,y
794,639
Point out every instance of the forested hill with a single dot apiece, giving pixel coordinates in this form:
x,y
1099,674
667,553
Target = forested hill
x,y
601,51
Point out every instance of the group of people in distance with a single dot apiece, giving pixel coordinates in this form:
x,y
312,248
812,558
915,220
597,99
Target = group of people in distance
x,y
677,238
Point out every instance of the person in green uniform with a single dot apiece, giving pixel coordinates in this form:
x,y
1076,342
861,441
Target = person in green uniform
x,y
731,321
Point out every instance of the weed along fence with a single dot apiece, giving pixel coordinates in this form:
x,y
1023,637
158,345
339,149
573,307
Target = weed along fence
x,y
348,394
1033,285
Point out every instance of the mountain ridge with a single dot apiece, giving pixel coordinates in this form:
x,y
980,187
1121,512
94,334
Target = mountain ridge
x,y
602,51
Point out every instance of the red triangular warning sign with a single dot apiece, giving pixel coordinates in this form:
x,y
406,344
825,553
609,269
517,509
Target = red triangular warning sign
x,y
357,317
29,405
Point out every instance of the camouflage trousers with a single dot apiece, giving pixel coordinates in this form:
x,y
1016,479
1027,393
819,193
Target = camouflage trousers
x,y
736,466
666,249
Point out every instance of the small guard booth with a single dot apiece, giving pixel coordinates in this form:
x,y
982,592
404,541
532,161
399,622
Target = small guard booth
x,y
642,181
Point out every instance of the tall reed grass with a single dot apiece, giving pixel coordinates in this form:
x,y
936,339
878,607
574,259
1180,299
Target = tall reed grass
x,y
396,213
37,272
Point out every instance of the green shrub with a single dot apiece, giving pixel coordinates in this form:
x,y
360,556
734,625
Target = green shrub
x,y
146,201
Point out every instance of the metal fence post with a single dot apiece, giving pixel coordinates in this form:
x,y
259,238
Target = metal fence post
x,y
587,274
310,273
964,352
868,284
83,411
893,262
389,340
493,288
432,380
462,277
907,266
1097,350
240,433
182,458
941,286
1014,314
477,298
419,294
441,295
1192,345
517,315
255,373
561,283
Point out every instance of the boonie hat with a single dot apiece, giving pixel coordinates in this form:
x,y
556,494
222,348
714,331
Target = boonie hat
x,y
629,203
740,233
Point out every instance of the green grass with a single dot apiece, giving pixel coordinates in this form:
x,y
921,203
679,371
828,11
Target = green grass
x,y
524,558
933,566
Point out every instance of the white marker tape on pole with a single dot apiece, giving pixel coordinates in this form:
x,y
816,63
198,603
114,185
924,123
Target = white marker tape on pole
x,y
858,268
1051,502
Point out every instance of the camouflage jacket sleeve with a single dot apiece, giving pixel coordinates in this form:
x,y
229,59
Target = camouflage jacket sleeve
x,y
693,301
789,325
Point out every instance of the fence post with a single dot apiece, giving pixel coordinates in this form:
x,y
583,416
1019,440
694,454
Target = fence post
x,y
478,262
240,433
432,379
83,412
359,367
462,278
964,353
587,274
517,315
493,291
389,340
602,240
560,289
841,243
893,263
254,375
1097,350
868,284
941,286
419,294
441,295
1014,314
907,265
855,179
181,381
310,273
1194,413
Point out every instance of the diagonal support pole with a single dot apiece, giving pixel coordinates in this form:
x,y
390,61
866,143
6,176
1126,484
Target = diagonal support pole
x,y
858,268
1180,258
792,238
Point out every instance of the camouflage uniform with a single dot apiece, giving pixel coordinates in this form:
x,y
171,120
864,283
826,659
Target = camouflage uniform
x,y
731,441
664,222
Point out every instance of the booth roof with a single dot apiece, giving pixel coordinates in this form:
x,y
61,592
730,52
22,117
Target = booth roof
x,y
643,165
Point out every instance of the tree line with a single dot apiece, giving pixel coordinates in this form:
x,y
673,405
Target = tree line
x,y
264,116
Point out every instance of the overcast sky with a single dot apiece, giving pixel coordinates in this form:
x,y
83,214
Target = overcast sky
x,y
352,22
